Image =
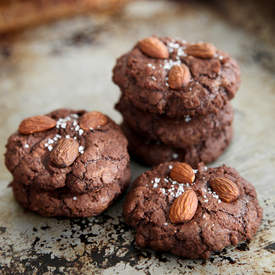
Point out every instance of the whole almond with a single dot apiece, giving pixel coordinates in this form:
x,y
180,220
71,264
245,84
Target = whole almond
x,y
184,207
36,124
226,189
182,172
179,76
153,47
65,152
92,120
201,50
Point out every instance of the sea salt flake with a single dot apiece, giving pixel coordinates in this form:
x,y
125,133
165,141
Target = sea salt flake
x,y
163,191
27,145
50,147
175,156
74,198
50,141
81,149
153,78
80,132
77,127
155,185
170,167
67,136
187,118
157,180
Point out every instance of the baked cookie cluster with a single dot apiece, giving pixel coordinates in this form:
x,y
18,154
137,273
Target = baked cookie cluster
x,y
68,163
175,100
192,212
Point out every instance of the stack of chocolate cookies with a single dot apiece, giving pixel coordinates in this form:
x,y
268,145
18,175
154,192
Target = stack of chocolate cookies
x,y
68,163
175,100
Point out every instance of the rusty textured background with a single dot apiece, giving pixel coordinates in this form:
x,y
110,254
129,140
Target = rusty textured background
x,y
68,64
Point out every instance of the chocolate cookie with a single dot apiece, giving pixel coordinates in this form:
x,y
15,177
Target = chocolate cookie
x,y
178,133
176,78
82,151
151,152
62,202
192,213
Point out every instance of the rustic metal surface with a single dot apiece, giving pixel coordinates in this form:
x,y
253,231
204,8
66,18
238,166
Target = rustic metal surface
x,y
69,64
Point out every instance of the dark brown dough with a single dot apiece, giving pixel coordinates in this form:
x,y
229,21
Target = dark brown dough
x,y
215,225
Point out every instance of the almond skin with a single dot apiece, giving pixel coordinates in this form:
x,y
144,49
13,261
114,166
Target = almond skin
x,y
36,124
182,172
184,207
153,47
201,50
179,76
65,152
226,189
92,120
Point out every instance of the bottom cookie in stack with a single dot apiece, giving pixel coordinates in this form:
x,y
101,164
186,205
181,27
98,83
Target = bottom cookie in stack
x,y
152,152
62,202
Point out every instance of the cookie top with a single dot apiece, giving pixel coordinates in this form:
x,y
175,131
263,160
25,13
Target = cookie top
x,y
192,213
176,78
77,149
178,133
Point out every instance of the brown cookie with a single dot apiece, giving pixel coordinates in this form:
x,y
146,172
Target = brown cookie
x,y
175,78
150,152
74,149
179,133
62,202
194,217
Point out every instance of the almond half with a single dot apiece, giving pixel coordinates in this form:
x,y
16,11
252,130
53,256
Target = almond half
x,y
65,152
153,47
201,50
36,124
184,207
92,120
179,76
182,172
226,189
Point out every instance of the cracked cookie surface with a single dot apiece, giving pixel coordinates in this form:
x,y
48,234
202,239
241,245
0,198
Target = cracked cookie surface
x,y
143,79
68,153
102,157
215,224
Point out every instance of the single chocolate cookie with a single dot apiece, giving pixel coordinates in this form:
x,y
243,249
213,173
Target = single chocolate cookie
x,y
151,152
82,151
176,78
178,133
192,213
62,202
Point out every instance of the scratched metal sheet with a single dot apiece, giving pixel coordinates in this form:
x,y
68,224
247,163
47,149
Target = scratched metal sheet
x,y
68,64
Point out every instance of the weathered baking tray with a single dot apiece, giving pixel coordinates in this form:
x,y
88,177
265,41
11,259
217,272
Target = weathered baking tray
x,y
68,64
